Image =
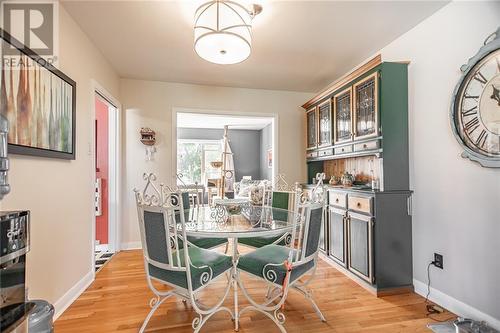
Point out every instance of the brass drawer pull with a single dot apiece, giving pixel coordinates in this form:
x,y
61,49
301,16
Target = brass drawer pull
x,y
359,205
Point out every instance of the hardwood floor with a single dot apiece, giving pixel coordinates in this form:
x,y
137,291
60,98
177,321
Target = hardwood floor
x,y
118,301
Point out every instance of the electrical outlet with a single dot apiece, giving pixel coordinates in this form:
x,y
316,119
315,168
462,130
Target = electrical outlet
x,y
438,260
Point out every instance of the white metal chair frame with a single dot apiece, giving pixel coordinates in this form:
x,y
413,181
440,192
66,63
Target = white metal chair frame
x,y
160,200
192,189
193,193
277,293
281,185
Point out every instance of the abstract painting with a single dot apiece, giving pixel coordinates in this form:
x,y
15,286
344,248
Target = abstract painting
x,y
39,103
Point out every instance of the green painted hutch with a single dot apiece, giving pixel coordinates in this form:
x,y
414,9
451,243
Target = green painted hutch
x,y
359,125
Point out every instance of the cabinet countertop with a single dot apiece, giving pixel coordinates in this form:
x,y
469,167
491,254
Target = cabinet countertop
x,y
356,190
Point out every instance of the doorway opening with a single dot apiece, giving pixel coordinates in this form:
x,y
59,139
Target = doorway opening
x,y
105,157
200,153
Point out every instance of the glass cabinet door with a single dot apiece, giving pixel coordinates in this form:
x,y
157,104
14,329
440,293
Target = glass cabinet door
x,y
325,123
365,107
311,129
342,104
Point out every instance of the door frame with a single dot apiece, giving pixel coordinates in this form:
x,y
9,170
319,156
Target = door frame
x,y
114,158
274,136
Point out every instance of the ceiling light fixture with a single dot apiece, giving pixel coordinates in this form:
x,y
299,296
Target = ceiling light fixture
x,y
223,31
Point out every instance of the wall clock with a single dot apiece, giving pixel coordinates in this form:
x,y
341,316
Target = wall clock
x,y
475,107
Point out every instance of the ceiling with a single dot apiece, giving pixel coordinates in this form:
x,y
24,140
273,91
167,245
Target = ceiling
x,y
198,120
297,45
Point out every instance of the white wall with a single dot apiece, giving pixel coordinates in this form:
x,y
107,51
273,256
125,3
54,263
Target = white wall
x,y
456,204
150,104
58,192
266,143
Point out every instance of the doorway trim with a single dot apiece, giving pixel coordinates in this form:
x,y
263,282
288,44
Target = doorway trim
x,y
114,197
275,134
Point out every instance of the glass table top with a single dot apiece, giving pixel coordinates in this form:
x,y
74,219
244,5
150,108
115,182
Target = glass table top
x,y
238,221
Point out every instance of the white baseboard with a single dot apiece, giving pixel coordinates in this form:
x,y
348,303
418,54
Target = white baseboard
x,y
71,295
101,247
131,246
454,305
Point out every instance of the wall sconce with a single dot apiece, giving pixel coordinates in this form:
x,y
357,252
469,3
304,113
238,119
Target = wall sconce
x,y
148,138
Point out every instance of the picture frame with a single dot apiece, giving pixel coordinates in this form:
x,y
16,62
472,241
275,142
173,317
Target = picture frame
x,y
270,158
40,104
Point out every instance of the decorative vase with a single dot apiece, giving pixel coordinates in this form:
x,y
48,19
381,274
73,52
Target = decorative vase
x,y
347,179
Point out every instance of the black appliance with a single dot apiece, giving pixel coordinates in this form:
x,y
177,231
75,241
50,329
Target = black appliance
x,y
14,244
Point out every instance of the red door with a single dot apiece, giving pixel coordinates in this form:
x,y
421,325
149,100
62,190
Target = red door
x,y
101,151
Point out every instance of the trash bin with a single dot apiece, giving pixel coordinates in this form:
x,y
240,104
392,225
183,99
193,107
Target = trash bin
x,y
463,325
41,317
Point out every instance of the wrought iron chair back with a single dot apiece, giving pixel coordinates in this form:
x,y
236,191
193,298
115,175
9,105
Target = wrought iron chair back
x,y
162,225
163,235
306,232
279,186
314,199
302,260
195,193
283,196
318,193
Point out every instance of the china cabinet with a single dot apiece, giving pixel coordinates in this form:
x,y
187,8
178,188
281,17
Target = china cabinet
x,y
367,228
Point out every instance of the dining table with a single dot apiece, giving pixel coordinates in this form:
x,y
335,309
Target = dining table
x,y
234,219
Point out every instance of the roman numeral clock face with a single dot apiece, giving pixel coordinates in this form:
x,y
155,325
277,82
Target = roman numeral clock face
x,y
477,107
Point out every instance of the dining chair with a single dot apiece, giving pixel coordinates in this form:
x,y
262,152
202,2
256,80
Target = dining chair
x,y
170,259
281,196
208,243
283,267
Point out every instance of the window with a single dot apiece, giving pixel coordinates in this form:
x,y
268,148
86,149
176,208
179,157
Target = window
x,y
194,159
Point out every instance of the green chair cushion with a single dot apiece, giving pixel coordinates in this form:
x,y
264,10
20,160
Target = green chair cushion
x,y
199,257
261,241
205,243
254,263
280,200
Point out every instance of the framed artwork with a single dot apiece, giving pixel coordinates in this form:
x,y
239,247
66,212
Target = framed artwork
x,y
269,158
39,102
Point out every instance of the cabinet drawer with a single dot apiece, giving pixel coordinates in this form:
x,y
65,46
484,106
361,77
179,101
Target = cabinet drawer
x,y
360,204
311,154
343,150
325,152
337,199
370,145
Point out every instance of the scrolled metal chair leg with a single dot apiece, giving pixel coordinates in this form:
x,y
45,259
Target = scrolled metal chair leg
x,y
268,293
154,303
308,295
199,321
276,316
272,311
